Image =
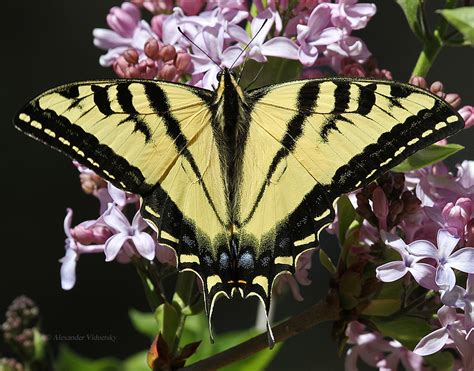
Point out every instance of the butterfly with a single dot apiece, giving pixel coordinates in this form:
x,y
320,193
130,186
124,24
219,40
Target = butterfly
x,y
238,183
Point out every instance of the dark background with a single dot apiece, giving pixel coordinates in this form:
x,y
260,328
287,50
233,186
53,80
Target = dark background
x,y
49,43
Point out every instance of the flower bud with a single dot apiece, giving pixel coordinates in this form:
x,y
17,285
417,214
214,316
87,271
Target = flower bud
x,y
148,69
167,72
437,88
458,215
470,233
131,56
411,203
191,7
380,207
152,48
95,235
396,207
167,53
182,62
467,113
353,70
90,182
454,100
124,19
381,74
418,81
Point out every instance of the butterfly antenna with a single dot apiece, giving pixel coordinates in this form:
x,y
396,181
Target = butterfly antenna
x,y
242,69
197,46
250,42
255,78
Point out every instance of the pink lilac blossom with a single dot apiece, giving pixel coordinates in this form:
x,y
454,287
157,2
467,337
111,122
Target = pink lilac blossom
x,y
376,351
445,257
423,273
350,15
467,113
128,236
316,34
133,34
300,276
322,27
279,46
451,332
380,207
211,41
463,299
457,216
97,236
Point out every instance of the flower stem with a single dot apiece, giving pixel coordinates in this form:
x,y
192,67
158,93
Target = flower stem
x,y
428,55
432,44
182,299
322,311
151,285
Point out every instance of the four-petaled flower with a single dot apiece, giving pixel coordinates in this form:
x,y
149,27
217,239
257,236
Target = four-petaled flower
x,y
445,258
423,273
316,34
279,46
451,330
128,236
464,299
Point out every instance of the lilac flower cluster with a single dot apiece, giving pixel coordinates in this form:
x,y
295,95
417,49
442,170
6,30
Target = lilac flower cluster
x,y
376,351
314,32
436,250
416,228
426,217
111,233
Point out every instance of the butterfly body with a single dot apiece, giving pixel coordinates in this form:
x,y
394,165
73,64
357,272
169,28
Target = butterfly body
x,y
239,184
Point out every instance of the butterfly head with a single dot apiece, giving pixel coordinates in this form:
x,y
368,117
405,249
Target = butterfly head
x,y
227,83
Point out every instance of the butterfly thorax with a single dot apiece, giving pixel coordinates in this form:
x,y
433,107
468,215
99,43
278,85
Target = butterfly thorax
x,y
232,126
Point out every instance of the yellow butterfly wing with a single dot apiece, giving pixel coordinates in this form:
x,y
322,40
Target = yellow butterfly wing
x,y
154,139
310,141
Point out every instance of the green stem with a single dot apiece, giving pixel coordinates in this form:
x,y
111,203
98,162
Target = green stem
x,y
322,311
433,45
182,300
428,55
147,274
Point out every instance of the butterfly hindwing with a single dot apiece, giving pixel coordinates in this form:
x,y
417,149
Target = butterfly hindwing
x,y
150,138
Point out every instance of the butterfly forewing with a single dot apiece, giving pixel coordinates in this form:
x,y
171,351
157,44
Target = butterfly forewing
x,y
151,138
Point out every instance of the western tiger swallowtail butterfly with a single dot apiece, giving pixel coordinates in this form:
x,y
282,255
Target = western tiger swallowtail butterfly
x,y
238,183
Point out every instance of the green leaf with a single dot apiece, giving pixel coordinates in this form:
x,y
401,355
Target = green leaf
x,y
39,345
137,362
407,330
428,156
346,214
196,329
144,323
440,361
382,307
350,287
461,19
68,360
411,8
326,261
168,318
276,70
